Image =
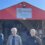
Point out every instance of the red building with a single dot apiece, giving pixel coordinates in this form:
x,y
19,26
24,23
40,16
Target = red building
x,y
13,17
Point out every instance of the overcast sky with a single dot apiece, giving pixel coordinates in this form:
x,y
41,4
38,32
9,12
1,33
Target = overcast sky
x,y
7,3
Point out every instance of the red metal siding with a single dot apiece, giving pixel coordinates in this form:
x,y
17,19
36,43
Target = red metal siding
x,y
10,13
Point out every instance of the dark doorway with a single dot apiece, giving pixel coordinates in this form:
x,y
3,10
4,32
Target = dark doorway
x,y
23,27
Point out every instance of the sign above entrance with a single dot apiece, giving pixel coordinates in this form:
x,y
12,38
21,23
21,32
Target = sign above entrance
x,y
24,13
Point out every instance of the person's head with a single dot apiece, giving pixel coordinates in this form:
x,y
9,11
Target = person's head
x,y
14,31
33,32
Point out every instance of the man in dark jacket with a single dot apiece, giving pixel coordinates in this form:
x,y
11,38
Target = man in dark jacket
x,y
34,39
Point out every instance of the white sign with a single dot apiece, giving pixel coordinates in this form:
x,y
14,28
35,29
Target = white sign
x,y
24,12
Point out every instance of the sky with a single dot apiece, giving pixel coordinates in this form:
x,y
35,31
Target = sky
x,y
7,3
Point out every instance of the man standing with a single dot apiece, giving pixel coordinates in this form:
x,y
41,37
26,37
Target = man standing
x,y
14,39
34,39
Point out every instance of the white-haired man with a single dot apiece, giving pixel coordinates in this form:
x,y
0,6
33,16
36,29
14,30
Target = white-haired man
x,y
14,39
34,39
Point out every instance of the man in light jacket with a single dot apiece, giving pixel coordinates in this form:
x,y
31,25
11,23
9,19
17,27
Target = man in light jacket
x,y
14,39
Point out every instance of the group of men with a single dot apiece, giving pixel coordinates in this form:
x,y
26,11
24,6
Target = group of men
x,y
15,39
